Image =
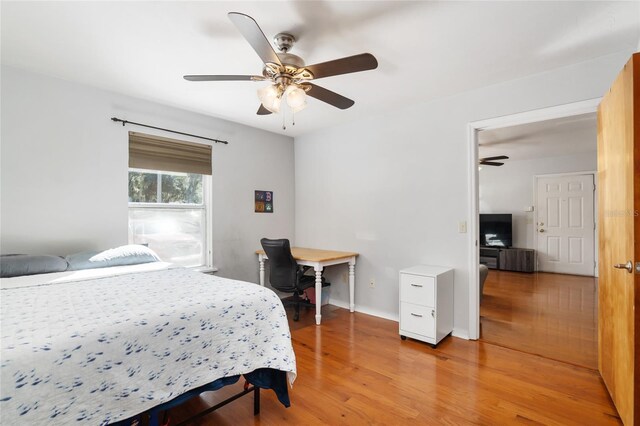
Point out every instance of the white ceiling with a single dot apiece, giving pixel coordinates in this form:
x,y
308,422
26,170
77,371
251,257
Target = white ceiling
x,y
425,49
551,138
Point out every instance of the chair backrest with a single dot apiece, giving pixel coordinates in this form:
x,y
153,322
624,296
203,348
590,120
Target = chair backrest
x,y
283,267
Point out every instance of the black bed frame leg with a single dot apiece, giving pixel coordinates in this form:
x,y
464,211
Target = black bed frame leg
x,y
256,400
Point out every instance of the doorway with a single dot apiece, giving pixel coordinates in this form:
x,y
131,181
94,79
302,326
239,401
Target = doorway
x,y
536,116
536,214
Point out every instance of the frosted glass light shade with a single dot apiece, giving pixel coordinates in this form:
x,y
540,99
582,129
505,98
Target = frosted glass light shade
x,y
296,98
273,106
269,98
300,107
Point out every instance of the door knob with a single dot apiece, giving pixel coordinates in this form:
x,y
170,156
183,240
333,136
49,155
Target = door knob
x,y
628,266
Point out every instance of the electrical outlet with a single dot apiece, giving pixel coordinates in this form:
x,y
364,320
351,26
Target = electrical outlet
x,y
372,283
462,227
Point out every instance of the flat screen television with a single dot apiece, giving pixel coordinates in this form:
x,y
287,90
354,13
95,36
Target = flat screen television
x,y
495,230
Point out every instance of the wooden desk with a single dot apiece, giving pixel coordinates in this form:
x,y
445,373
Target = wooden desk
x,y
318,259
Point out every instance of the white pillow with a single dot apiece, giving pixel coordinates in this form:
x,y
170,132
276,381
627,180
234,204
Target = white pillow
x,y
131,254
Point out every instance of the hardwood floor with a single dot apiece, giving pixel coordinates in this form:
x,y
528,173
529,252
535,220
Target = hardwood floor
x,y
552,315
354,369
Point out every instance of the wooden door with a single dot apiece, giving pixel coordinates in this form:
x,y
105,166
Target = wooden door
x,y
619,241
565,224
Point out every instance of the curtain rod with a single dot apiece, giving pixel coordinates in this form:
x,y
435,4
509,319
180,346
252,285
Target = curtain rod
x,y
167,130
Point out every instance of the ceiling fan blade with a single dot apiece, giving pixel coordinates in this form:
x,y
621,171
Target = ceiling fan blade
x,y
499,157
251,31
224,77
263,111
332,98
490,163
356,63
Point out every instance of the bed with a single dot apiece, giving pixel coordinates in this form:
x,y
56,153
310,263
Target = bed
x,y
103,345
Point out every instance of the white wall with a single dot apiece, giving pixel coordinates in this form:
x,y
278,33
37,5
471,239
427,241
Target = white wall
x,y
64,172
394,187
509,189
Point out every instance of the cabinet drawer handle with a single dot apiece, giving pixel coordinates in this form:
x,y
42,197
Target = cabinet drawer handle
x,y
416,285
416,315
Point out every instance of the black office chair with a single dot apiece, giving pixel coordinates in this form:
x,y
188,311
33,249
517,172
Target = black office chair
x,y
285,275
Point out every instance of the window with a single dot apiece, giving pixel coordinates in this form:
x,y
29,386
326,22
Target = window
x,y
169,210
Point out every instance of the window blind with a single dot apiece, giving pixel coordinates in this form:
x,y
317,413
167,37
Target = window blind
x,y
171,155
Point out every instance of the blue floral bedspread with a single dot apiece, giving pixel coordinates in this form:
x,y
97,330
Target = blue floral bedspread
x,y
104,349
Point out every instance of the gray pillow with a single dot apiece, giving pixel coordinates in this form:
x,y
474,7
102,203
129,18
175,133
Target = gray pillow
x,y
132,254
81,260
14,265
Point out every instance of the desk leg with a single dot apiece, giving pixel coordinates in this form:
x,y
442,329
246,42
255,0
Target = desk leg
x,y
261,260
318,270
352,284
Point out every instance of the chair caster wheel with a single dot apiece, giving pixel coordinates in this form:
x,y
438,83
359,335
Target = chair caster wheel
x,y
403,337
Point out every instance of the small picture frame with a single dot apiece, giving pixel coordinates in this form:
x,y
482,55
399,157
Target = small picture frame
x,y
263,201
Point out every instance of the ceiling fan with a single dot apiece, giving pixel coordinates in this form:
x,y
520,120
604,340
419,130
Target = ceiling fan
x,y
289,77
489,161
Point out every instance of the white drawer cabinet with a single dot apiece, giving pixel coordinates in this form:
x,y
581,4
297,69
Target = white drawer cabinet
x,y
426,303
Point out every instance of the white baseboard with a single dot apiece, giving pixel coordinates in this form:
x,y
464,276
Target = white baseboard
x,y
364,310
461,334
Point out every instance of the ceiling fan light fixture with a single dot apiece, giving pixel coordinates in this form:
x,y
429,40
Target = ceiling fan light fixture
x,y
270,97
299,108
296,98
274,106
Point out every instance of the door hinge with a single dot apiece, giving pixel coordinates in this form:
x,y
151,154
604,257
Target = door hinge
x,y
637,267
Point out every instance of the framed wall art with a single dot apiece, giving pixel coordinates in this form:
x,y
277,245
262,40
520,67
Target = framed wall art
x,y
264,201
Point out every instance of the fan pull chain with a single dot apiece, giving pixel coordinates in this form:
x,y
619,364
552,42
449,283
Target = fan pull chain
x,y
284,126
293,117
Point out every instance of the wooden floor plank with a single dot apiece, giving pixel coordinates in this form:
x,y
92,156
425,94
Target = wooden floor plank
x,y
553,315
354,369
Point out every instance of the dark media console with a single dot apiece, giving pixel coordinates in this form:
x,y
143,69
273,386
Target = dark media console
x,y
508,259
490,256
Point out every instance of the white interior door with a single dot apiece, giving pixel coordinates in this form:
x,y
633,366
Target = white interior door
x,y
565,224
